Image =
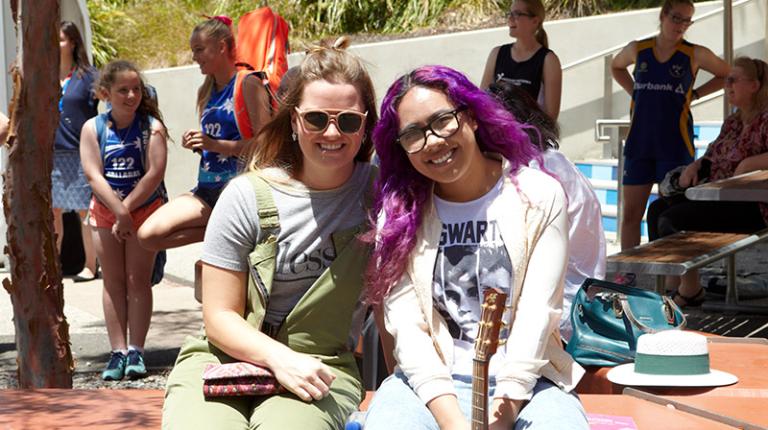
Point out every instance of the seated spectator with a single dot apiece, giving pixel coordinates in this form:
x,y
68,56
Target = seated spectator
x,y
586,238
741,147
461,213
289,226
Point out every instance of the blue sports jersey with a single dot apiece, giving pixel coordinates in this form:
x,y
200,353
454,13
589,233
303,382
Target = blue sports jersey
x,y
661,121
218,122
122,156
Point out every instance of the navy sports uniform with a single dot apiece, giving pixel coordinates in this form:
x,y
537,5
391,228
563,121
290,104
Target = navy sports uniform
x,y
661,131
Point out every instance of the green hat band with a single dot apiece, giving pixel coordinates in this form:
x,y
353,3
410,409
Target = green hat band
x,y
672,364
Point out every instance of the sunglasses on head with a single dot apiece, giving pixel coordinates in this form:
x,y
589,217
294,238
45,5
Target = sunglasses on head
x,y
318,120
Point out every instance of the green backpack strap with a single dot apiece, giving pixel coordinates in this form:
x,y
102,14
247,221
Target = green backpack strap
x,y
262,260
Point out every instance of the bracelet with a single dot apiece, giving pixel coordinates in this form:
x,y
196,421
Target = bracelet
x,y
695,94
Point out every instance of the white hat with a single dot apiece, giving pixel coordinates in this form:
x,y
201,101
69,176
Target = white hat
x,y
671,358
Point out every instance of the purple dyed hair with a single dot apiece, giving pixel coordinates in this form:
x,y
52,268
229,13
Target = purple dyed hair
x,y
402,193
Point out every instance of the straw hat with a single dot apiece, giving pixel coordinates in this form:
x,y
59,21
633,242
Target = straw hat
x,y
671,358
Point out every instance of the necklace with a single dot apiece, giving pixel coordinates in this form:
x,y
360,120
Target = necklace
x,y
127,132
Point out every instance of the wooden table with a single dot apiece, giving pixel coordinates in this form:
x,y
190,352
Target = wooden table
x,y
647,415
749,187
747,360
750,409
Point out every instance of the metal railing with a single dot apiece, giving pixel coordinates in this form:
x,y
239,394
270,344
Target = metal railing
x,y
615,131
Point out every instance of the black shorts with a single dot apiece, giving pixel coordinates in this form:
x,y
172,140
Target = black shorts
x,y
209,195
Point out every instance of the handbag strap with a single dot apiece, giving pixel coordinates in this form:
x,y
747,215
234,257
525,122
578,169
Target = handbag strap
x,y
671,308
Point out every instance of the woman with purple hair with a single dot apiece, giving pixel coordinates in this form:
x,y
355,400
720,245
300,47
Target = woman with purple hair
x,y
460,212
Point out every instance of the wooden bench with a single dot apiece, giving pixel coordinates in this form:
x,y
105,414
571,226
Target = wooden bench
x,y
684,251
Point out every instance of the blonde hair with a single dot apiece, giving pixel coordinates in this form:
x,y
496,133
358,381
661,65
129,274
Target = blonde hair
x,y
216,30
756,69
274,145
536,7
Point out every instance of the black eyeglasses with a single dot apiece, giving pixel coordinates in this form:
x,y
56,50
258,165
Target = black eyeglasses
x,y
516,14
318,120
446,124
677,19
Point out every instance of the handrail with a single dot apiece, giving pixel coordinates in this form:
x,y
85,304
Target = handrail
x,y
602,124
619,47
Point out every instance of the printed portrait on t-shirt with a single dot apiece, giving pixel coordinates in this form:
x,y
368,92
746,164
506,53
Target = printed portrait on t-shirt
x,y
471,258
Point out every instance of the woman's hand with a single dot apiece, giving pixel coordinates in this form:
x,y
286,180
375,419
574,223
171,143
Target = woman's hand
x,y
303,375
690,175
123,227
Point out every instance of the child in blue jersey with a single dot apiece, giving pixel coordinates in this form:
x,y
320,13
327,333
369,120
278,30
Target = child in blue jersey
x,y
662,89
124,156
225,132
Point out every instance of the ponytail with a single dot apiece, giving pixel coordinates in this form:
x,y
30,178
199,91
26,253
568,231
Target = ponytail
x,y
217,28
204,94
541,36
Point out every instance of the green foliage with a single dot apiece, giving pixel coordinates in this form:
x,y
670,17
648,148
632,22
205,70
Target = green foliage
x,y
156,33
105,16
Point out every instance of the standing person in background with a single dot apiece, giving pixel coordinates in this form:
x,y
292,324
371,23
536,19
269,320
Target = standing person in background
x,y
586,238
287,231
662,89
70,190
124,156
233,106
528,62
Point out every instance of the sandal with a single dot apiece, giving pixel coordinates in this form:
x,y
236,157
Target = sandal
x,y
689,301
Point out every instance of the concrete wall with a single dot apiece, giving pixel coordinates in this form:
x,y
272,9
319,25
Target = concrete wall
x,y
572,39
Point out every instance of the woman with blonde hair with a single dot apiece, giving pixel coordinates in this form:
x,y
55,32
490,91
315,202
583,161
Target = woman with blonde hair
x,y
741,147
528,62
233,105
282,274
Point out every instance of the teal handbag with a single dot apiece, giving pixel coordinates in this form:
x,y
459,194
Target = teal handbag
x,y
607,319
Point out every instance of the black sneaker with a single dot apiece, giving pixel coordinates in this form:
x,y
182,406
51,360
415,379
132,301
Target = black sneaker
x,y
135,365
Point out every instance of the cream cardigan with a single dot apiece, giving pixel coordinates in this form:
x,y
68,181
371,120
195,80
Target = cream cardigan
x,y
423,345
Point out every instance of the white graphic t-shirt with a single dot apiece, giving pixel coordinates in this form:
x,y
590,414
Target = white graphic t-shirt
x,y
471,257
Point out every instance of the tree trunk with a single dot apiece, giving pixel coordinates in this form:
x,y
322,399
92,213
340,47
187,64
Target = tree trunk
x,y
44,357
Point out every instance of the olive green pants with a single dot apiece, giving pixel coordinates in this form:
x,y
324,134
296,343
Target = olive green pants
x,y
186,408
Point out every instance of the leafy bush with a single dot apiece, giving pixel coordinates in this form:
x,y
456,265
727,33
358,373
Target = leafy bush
x,y
156,33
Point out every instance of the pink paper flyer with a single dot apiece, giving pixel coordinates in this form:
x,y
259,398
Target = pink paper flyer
x,y
610,422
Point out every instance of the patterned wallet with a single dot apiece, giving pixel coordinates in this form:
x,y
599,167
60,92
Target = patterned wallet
x,y
239,379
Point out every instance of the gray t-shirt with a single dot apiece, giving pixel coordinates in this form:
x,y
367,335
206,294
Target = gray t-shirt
x,y
308,218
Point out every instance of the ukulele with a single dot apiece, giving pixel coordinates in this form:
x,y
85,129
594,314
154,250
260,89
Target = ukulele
x,y
485,346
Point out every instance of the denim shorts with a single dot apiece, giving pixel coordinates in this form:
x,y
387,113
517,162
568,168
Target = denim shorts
x,y
396,406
